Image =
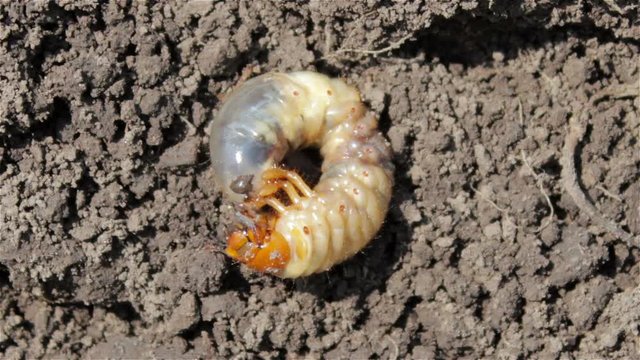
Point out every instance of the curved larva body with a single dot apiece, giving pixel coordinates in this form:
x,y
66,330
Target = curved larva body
x,y
314,229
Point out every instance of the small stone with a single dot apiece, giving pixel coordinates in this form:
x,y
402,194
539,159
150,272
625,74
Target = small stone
x,y
184,153
227,305
57,207
444,242
150,102
493,230
185,315
199,114
214,58
411,212
483,159
84,232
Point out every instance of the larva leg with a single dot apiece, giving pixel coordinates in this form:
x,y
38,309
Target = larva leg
x,y
295,179
291,192
271,188
276,204
271,201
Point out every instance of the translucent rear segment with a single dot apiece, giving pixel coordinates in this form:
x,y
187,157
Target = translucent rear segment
x,y
245,137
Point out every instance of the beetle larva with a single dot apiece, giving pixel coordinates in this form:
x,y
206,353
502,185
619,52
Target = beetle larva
x,y
285,227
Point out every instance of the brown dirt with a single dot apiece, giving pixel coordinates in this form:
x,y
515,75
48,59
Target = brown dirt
x,y
111,228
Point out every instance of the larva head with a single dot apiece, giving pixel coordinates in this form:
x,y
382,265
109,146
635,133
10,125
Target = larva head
x,y
264,251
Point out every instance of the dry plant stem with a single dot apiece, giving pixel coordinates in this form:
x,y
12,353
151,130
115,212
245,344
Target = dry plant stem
x,y
615,7
192,128
570,181
508,216
394,345
385,49
617,92
374,53
539,183
536,176
544,193
609,193
487,199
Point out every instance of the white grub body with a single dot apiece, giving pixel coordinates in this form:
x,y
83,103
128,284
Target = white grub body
x,y
275,113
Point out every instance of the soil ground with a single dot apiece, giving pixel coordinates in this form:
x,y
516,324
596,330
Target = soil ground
x,y
503,240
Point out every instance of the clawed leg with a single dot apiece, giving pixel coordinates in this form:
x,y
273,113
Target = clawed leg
x,y
292,177
291,193
288,181
276,204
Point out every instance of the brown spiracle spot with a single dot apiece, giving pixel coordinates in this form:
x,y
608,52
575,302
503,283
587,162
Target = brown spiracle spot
x,y
342,208
295,93
329,92
306,230
365,173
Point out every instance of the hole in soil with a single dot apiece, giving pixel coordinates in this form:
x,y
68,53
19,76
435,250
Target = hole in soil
x,y
560,213
5,275
131,50
473,40
551,167
157,49
384,122
120,129
580,50
50,45
98,23
58,123
125,311
609,267
89,186
409,307
61,286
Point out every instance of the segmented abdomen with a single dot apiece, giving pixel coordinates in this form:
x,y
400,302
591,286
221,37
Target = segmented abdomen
x,y
344,215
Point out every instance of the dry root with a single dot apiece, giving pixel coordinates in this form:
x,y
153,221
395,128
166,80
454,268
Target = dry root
x,y
539,183
570,181
363,51
392,46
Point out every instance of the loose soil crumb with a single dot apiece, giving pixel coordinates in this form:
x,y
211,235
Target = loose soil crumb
x,y
112,231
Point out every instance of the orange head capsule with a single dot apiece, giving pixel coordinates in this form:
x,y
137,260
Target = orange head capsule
x,y
263,250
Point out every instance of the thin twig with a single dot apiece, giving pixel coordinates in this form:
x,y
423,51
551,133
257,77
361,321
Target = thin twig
x,y
376,52
612,4
487,199
392,46
609,193
520,112
192,128
504,212
396,351
542,190
619,91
